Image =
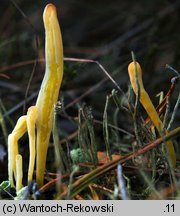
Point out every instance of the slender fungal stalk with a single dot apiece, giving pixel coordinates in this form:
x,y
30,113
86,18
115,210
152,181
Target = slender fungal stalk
x,y
135,75
19,169
31,123
11,159
49,91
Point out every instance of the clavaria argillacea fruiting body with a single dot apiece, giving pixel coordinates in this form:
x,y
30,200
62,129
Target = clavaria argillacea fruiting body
x,y
135,75
39,119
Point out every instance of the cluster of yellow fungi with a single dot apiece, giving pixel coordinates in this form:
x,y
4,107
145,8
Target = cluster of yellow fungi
x,y
39,119
135,75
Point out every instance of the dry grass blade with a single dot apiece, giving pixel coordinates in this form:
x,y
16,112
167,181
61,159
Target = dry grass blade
x,y
82,183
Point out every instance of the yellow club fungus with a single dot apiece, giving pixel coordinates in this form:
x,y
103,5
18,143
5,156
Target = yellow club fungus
x,y
19,170
19,130
31,123
135,75
39,119
11,159
49,91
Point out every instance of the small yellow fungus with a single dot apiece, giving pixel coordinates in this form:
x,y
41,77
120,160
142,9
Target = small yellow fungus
x,y
11,158
31,121
19,170
135,75
18,131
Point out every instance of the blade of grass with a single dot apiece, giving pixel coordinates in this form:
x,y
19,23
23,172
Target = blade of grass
x,y
3,126
87,113
82,183
121,183
105,129
174,113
